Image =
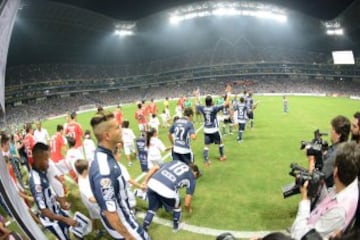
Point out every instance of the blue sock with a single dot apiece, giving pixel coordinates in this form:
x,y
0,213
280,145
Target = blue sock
x,y
221,150
148,219
240,135
177,217
206,155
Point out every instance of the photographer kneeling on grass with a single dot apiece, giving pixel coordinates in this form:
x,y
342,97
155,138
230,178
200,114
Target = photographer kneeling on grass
x,y
337,209
340,130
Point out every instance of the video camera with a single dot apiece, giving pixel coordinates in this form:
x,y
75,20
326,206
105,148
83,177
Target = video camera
x,y
316,147
301,176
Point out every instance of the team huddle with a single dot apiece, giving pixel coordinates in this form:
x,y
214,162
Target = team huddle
x,y
105,185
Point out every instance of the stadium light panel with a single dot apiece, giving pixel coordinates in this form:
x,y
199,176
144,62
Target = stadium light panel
x,y
338,32
343,57
123,33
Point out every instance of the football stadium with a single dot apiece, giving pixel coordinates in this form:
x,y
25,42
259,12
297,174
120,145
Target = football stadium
x,y
180,119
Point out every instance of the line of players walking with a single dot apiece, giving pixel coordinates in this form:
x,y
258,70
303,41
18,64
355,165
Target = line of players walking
x,y
105,184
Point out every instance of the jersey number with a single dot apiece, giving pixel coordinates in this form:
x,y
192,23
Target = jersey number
x,y
179,133
207,119
179,168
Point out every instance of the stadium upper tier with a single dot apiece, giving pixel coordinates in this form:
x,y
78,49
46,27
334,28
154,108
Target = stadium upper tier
x,y
243,53
40,81
56,105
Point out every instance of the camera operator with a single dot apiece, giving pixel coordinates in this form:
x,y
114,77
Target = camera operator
x,y
338,208
340,130
355,128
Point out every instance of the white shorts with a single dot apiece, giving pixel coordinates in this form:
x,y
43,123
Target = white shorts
x,y
129,148
63,167
57,186
142,127
93,209
131,198
153,162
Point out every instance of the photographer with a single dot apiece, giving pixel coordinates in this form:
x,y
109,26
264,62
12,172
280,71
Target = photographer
x,y
340,130
337,209
355,128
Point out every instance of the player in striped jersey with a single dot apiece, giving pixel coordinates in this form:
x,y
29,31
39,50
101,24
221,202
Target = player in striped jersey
x,y
211,126
163,184
180,135
51,216
108,182
241,113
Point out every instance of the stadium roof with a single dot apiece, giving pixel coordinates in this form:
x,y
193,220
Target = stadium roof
x,y
136,9
81,31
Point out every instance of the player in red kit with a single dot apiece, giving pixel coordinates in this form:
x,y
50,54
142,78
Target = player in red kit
x,y
29,143
118,115
73,129
140,118
152,108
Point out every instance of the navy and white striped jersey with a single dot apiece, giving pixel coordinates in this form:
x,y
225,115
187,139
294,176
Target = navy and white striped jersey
x,y
43,194
171,177
234,102
182,130
142,153
211,124
226,112
241,112
110,191
249,103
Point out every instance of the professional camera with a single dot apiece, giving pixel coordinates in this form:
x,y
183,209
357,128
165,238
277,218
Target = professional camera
x,y
316,148
301,176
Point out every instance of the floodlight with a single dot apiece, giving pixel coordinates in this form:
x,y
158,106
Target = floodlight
x,y
338,32
122,33
175,19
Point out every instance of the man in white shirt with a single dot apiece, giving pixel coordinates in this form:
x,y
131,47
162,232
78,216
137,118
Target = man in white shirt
x,y
41,134
154,122
87,197
89,147
337,209
128,137
72,155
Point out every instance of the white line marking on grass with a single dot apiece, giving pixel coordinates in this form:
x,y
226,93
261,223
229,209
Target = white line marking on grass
x,y
207,231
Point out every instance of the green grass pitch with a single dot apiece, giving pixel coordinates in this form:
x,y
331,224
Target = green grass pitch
x,y
244,192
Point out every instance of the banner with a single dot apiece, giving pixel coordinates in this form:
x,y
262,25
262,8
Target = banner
x,y
8,12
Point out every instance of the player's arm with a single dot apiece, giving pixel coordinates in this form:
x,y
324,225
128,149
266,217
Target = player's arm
x,y
196,96
92,200
49,214
227,101
104,190
115,223
255,105
171,131
187,202
40,202
151,172
4,231
134,183
192,132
